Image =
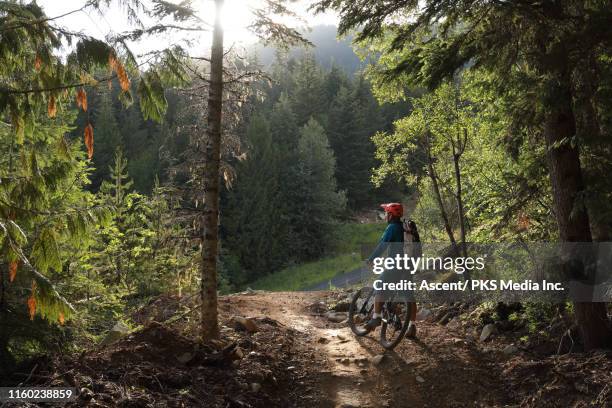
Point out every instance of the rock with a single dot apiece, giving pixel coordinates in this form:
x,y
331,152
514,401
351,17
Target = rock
x,y
423,313
255,387
342,305
345,361
290,368
510,349
336,317
242,323
341,337
118,331
420,379
487,331
318,307
185,357
238,353
376,360
445,318
86,394
219,344
322,340
455,323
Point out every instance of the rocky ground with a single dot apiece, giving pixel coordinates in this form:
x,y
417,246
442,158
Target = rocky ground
x,y
295,350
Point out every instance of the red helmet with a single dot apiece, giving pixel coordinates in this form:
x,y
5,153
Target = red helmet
x,y
395,209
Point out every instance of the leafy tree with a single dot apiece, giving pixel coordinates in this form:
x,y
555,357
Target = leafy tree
x,y
552,89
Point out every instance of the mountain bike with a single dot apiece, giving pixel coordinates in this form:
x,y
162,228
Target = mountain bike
x,y
395,316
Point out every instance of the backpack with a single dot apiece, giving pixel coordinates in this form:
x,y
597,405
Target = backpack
x,y
412,239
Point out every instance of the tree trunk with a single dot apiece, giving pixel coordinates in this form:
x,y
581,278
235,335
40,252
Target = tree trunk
x,y
573,220
585,80
436,188
2,289
210,213
459,199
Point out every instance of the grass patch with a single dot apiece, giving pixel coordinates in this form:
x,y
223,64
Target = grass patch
x,y
302,276
345,256
351,237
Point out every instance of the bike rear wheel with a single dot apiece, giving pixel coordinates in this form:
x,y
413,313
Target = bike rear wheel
x,y
361,309
395,321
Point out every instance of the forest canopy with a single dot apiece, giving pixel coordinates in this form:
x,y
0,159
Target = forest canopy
x,y
127,177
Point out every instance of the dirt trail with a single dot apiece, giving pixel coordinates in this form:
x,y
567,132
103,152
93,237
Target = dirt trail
x,y
438,370
298,358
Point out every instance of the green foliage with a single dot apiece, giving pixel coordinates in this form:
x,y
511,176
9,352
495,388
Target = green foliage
x,y
317,203
521,82
284,204
36,74
351,236
345,256
506,195
138,250
151,92
537,313
349,130
107,137
253,216
308,92
43,210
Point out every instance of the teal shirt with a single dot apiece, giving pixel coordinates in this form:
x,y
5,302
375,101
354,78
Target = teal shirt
x,y
393,233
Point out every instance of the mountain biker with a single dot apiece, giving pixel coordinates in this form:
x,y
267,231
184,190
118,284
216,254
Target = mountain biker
x,y
394,233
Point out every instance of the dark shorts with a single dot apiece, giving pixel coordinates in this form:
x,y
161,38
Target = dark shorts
x,y
396,276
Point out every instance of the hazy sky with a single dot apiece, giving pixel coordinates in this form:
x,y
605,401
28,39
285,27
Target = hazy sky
x,y
236,17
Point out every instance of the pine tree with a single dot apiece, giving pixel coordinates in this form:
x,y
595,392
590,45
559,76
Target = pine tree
x,y
45,215
308,97
118,237
335,79
350,139
316,202
254,219
108,139
283,125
